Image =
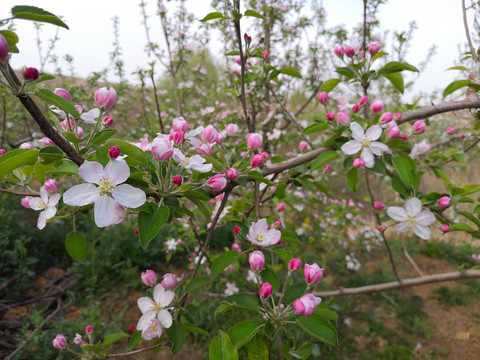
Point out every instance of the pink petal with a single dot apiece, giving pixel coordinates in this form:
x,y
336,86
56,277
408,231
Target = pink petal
x,y
91,171
145,320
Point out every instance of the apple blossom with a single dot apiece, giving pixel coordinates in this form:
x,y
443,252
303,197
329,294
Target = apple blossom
x,y
195,162
152,330
266,290
343,118
393,131
363,100
303,145
358,163
412,217
2,151
3,48
232,174
313,273
26,145
169,281
31,74
162,147
149,277
78,339
105,98
259,234
294,264
231,288
306,304
89,329
63,93
378,205
209,134
113,152
47,204
450,130
386,117
265,54
443,202
397,116
256,260
356,108
419,126
156,308
26,202
231,129
445,228
217,182
45,141
373,48
322,97
281,206
51,185
59,342
180,124
365,142
257,160
377,105
254,141
177,180
237,229
349,51
90,117
106,208
338,50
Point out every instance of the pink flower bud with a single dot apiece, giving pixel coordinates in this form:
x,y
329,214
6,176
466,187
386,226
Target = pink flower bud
x,y
378,205
217,182
26,145
231,129
281,206
373,48
343,118
107,121
78,339
277,223
47,142
265,54
237,230
474,256
338,50
404,137
136,231
356,108
257,160
169,281
113,152
419,126
219,139
445,228
462,137
397,116
79,132
363,100
59,342
31,74
328,167
294,264
178,136
349,51
377,105
51,185
3,48
450,130
330,116
256,260
393,132
63,93
386,117
2,151
89,329
148,277
238,59
232,174
162,147
359,163
443,202
180,124
105,98
303,145
313,273
254,141
266,290
306,304
265,155
26,202
209,134
177,180
322,97
380,229
204,149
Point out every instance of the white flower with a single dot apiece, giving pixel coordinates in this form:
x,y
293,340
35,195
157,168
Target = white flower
x,y
91,116
196,162
412,217
155,308
107,210
259,234
171,244
252,277
365,142
231,289
420,148
46,203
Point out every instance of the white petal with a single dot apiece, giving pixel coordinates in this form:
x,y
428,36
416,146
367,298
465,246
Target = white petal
x,y
81,195
357,131
165,318
145,320
145,304
413,206
402,227
425,218
351,147
129,196
117,171
42,220
367,156
49,212
37,204
397,213
422,231
161,296
260,226
104,210
272,236
194,132
53,201
377,148
44,195
91,116
91,171
373,132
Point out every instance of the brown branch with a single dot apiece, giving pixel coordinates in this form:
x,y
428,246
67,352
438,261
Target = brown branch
x,y
467,32
137,351
19,193
152,77
439,109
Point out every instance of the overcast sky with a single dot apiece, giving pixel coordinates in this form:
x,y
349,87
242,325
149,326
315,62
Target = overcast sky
x,y
90,37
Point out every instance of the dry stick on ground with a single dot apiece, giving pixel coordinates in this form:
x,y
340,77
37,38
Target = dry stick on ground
x,y
467,32
292,119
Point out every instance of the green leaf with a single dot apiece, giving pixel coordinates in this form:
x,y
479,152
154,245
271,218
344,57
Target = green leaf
x,y
221,348
396,66
14,159
244,301
221,262
255,14
255,175
329,85
72,137
456,85
102,136
50,154
314,128
257,350
12,40
323,158
58,101
403,169
378,55
37,14
135,155
196,330
134,339
294,292
346,71
302,352
201,206
113,338
397,80
150,223
233,53
352,178
197,284
40,171
66,168
76,246
463,68
271,277
212,16
290,71
242,333
326,313
318,328
177,335
460,227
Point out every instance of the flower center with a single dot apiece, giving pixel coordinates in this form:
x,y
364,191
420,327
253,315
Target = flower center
x,y
411,220
186,161
260,237
106,186
366,142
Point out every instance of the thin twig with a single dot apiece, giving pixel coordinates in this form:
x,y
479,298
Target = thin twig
x,y
197,237
467,32
157,104
410,259
19,193
137,351
4,121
